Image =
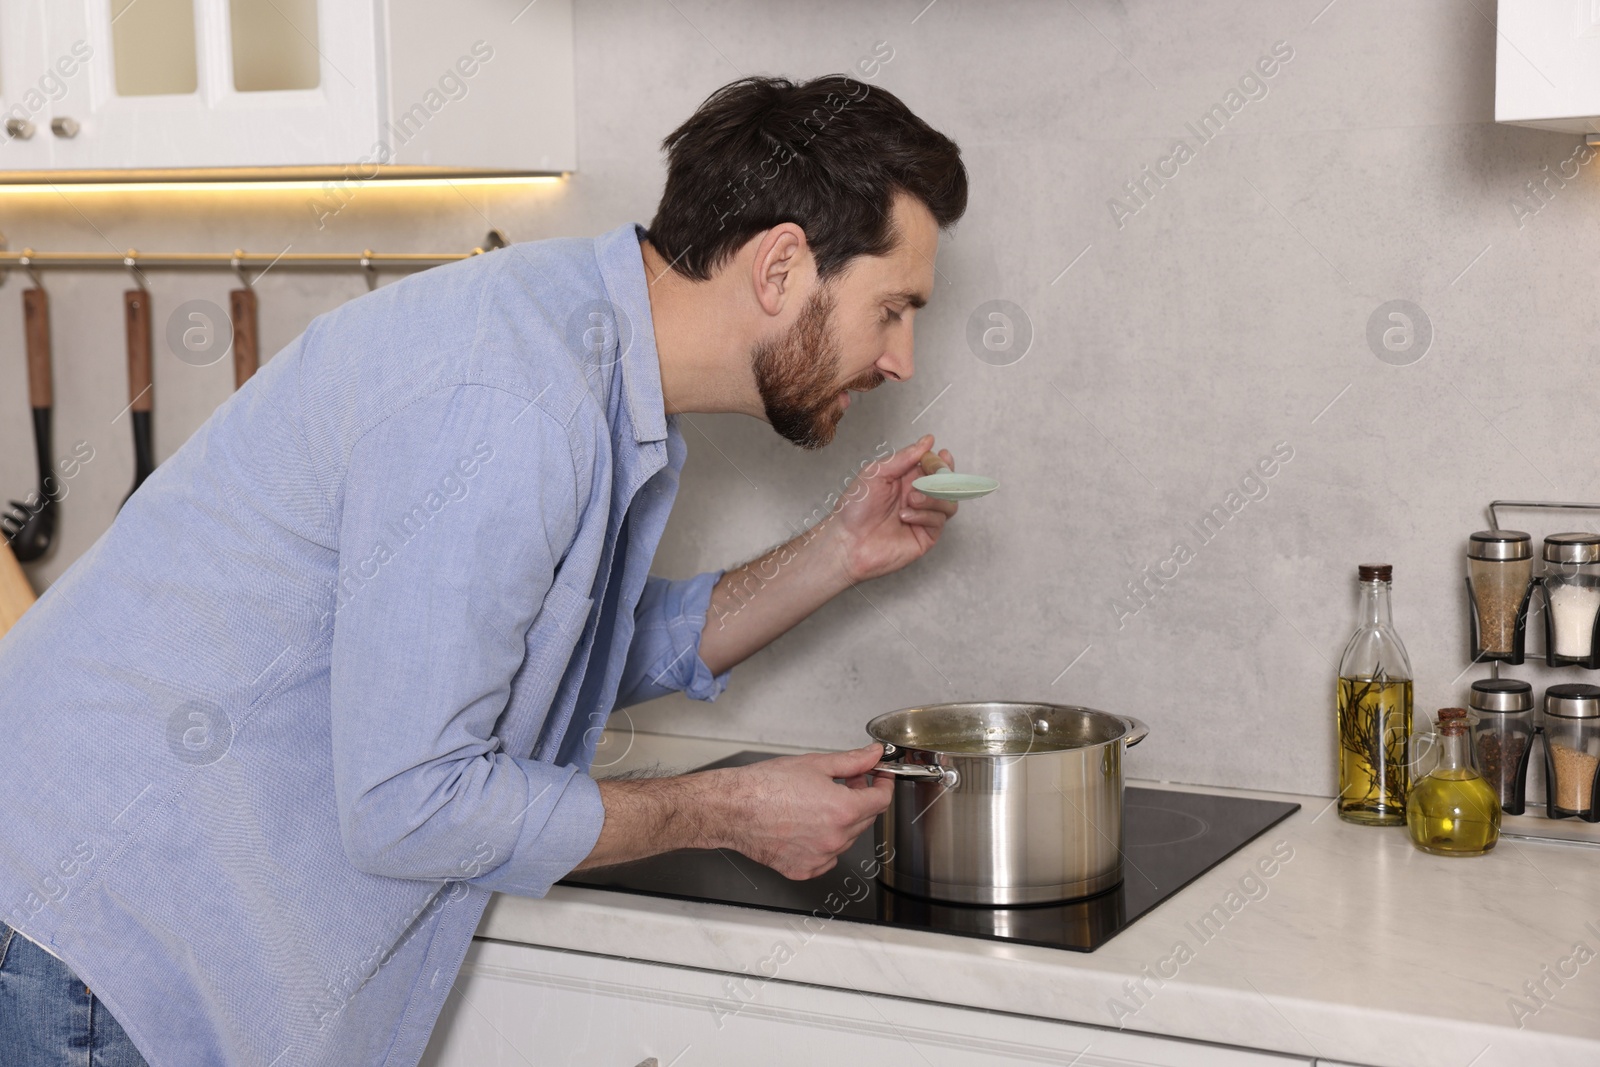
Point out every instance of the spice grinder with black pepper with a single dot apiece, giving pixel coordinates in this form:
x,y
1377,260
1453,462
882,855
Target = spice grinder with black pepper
x,y
1502,737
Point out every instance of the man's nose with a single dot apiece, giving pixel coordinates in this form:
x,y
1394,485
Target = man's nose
x,y
897,363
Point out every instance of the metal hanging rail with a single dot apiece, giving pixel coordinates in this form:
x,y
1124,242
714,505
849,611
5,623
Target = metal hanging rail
x,y
239,260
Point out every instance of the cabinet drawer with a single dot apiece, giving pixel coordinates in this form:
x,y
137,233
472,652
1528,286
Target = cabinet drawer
x,y
515,1005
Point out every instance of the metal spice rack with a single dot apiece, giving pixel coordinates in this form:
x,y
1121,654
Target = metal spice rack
x,y
1535,825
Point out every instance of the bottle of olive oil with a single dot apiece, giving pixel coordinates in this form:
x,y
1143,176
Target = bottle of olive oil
x,y
1374,701
1453,811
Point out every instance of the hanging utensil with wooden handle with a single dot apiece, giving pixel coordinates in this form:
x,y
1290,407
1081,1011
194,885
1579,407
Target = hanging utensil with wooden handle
x,y
136,307
246,350
30,526
16,595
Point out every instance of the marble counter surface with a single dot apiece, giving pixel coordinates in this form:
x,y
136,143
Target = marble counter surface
x,y
1357,948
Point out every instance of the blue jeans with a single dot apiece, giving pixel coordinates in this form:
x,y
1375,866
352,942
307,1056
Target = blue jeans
x,y
49,1018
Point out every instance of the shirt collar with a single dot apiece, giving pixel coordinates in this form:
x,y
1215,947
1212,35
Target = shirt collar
x,y
622,269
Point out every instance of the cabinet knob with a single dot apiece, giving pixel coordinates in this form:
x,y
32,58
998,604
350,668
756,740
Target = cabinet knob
x,y
64,127
19,129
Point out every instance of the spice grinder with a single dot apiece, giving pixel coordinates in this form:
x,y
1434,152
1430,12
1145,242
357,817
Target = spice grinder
x,y
1572,751
1572,599
1500,585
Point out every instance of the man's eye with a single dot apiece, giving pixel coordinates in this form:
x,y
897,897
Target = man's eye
x,y
889,314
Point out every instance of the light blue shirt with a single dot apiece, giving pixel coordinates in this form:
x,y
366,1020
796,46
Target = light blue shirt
x,y
338,669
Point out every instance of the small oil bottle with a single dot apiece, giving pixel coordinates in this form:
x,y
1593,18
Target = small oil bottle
x,y
1453,811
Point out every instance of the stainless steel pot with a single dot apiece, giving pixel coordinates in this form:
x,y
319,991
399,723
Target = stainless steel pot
x,y
1003,803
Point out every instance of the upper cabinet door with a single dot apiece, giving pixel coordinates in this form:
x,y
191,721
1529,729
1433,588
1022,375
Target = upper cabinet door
x,y
31,81
109,87
180,84
481,85
1547,64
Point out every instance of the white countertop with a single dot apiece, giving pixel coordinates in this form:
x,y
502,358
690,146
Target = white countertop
x,y
1360,948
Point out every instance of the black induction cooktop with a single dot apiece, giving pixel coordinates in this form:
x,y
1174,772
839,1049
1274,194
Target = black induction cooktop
x,y
1170,838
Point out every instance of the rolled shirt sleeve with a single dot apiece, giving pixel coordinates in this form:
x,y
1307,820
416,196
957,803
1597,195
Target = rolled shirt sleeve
x,y
563,818
664,656
456,511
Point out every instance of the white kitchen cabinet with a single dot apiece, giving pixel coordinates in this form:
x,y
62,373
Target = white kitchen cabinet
x,y
339,86
1547,64
27,83
515,1005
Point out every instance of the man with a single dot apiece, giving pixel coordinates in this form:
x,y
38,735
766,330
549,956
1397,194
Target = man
x,y
336,672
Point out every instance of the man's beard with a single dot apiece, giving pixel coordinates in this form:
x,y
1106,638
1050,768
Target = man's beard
x,y
798,377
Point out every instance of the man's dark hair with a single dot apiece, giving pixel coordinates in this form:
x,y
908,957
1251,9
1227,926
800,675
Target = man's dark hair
x,y
827,155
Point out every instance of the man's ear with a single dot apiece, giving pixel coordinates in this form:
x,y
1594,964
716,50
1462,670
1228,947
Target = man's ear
x,y
782,263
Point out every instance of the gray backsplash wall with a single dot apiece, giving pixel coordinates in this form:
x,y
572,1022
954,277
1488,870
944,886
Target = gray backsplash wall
x,y
1179,338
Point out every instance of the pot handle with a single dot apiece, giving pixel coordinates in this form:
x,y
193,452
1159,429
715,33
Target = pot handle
x,y
1137,731
949,777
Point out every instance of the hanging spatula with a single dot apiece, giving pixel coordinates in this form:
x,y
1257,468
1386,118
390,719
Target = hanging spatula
x,y
31,527
136,305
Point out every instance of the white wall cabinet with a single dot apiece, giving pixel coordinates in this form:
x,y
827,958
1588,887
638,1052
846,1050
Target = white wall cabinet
x,y
27,82
475,86
515,1005
1547,64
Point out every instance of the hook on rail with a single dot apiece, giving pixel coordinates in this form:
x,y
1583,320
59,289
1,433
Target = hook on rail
x,y
130,259
25,261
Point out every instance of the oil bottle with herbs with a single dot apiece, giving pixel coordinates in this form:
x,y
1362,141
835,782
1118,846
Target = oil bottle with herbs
x,y
1374,702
